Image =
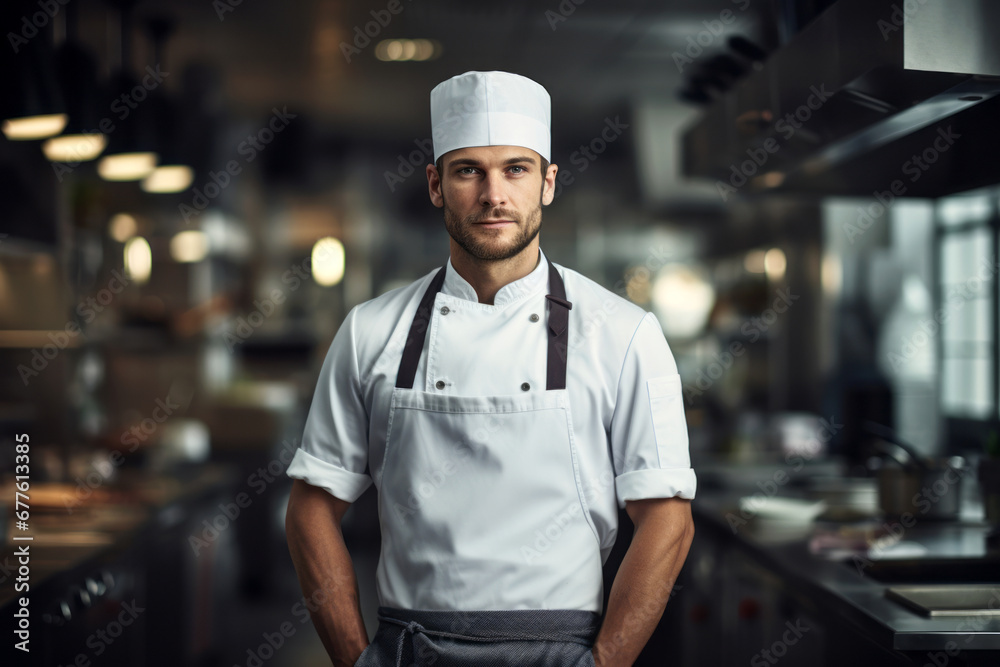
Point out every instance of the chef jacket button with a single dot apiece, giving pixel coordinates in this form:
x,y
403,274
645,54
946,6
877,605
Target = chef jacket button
x,y
525,386
534,317
445,310
439,384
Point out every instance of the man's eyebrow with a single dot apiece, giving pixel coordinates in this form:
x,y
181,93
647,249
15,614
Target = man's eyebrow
x,y
476,163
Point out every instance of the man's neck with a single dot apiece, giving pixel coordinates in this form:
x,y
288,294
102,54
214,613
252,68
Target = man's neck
x,y
488,276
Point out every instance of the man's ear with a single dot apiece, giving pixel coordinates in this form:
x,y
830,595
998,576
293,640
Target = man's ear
x,y
549,185
434,186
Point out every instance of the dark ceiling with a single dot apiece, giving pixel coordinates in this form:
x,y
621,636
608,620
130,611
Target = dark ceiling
x,y
592,55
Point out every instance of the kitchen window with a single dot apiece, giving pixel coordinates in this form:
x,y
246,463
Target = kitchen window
x,y
969,311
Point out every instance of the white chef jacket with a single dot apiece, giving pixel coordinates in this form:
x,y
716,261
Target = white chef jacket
x,y
625,393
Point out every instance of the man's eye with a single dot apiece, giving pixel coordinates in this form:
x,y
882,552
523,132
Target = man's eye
x,y
520,170
467,170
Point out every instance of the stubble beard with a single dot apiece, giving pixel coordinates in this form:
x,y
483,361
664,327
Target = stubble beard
x,y
492,248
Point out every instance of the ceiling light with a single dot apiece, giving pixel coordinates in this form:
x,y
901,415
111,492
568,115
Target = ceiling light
x,y
74,147
127,166
34,127
169,178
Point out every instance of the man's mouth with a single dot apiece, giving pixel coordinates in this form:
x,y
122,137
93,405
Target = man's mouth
x,y
495,224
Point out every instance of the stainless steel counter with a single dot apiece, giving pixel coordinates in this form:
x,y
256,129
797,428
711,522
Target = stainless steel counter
x,y
847,588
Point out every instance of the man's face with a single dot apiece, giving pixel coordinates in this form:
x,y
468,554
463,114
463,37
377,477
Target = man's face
x,y
492,198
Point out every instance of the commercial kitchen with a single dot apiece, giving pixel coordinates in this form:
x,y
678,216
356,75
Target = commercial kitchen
x,y
805,194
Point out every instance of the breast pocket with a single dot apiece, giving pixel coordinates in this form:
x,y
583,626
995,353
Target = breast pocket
x,y
666,406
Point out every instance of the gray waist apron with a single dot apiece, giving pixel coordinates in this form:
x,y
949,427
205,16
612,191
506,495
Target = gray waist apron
x,y
494,638
511,638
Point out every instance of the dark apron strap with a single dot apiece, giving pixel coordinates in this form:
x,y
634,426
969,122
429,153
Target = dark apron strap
x,y
418,333
555,369
558,331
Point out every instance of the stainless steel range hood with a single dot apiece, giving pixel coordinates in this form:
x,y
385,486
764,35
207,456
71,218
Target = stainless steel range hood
x,y
863,84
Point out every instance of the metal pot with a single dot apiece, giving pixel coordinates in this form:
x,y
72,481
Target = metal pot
x,y
931,491
919,487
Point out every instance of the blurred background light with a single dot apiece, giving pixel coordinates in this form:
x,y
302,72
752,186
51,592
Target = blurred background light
x,y
34,127
75,147
774,263
189,246
122,227
138,259
328,261
754,261
126,166
407,49
682,299
169,178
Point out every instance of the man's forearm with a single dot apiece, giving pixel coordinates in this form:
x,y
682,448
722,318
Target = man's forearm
x,y
639,595
326,573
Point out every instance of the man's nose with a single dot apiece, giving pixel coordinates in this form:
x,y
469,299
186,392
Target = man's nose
x,y
493,192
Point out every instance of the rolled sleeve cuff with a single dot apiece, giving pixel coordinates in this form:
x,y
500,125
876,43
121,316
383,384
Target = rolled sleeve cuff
x,y
655,483
343,484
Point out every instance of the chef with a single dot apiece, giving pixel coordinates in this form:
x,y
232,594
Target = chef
x,y
505,407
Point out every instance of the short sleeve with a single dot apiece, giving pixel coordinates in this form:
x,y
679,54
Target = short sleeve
x,y
649,439
334,450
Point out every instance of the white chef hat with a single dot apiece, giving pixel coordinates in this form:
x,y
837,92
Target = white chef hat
x,y
490,109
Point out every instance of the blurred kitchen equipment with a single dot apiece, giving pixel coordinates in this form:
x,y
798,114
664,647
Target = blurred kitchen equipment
x,y
791,510
846,498
800,434
989,486
921,487
183,441
948,599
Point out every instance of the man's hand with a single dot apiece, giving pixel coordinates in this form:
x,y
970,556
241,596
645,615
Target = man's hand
x,y
326,574
663,533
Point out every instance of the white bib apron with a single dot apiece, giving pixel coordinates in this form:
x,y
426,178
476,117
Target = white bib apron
x,y
481,499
